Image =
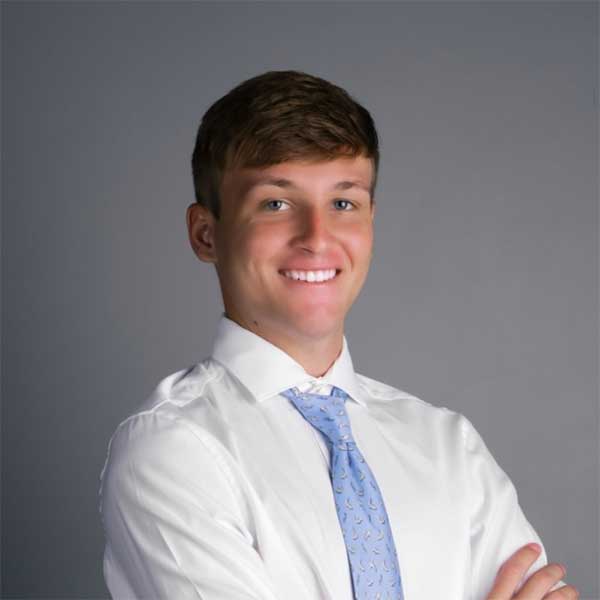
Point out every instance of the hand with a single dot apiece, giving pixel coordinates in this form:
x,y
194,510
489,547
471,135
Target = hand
x,y
537,586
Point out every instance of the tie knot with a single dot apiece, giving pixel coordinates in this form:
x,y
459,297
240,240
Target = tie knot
x,y
326,413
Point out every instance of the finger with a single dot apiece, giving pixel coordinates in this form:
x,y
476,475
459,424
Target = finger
x,y
540,582
512,571
567,592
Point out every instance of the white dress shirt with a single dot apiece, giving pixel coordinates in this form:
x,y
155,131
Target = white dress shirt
x,y
217,488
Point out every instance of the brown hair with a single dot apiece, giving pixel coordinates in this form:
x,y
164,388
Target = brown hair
x,y
275,117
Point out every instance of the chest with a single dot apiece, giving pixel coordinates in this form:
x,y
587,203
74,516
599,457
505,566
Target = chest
x,y
284,468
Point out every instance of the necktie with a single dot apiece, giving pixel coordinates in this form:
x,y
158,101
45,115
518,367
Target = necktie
x,y
358,501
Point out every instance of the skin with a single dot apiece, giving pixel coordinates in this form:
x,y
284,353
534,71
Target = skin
x,y
265,228
537,586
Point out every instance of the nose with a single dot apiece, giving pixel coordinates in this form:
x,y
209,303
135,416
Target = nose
x,y
313,229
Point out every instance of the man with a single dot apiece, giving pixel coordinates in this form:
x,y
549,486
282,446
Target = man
x,y
272,470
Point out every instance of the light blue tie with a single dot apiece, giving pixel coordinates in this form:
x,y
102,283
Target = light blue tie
x,y
358,501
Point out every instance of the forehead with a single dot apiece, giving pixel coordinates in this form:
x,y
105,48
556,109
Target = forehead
x,y
345,173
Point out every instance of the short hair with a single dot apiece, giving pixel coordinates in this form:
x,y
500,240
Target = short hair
x,y
275,117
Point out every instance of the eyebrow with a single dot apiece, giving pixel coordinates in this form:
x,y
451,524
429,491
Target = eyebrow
x,y
286,183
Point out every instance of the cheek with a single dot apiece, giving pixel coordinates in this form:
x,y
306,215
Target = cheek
x,y
247,256
258,246
360,244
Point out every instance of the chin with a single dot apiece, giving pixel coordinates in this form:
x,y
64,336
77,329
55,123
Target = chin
x,y
317,324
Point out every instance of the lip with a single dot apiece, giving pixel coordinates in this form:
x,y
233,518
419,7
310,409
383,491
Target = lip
x,y
328,268
311,283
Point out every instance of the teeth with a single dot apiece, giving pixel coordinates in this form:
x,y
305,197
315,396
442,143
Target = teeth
x,y
311,276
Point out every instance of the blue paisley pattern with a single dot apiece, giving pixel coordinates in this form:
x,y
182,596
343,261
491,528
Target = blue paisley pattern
x,y
371,551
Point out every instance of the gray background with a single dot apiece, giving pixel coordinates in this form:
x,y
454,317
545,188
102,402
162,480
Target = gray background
x,y
483,294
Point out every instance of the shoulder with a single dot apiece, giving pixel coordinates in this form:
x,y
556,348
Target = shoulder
x,y
382,392
159,433
181,388
167,402
159,457
398,404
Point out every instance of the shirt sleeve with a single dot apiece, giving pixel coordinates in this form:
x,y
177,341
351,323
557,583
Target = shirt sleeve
x,y
498,526
172,519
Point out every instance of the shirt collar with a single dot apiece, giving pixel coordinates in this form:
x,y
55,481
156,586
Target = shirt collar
x,y
267,370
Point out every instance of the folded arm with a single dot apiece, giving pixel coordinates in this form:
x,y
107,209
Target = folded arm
x,y
500,533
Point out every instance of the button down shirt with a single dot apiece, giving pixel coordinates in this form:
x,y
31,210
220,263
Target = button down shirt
x,y
217,488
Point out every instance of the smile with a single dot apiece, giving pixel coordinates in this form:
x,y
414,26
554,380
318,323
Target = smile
x,y
311,276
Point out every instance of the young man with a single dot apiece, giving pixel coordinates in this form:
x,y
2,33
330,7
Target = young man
x,y
272,469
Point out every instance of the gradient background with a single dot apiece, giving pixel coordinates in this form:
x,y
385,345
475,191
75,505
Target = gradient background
x,y
483,294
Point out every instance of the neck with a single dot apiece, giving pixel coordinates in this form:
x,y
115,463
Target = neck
x,y
315,355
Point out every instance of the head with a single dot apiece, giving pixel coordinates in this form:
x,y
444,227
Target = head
x,y
285,168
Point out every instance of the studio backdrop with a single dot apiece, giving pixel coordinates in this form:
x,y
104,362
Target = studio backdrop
x,y
483,291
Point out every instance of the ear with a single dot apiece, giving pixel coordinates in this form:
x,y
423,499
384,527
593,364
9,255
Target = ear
x,y
201,231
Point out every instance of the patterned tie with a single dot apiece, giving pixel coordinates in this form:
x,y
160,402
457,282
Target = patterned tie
x,y
358,501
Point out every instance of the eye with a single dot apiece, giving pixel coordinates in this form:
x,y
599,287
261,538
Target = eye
x,y
346,201
269,203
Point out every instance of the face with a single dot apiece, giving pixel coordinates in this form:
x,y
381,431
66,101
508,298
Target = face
x,y
282,229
